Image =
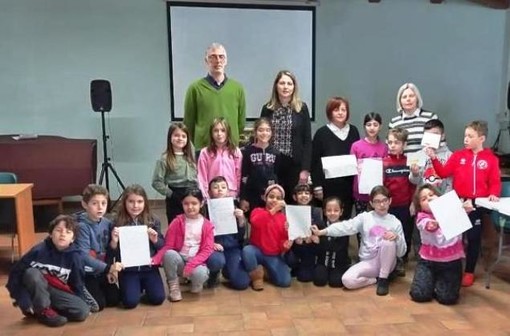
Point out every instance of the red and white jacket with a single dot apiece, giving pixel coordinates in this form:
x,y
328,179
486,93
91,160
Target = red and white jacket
x,y
474,175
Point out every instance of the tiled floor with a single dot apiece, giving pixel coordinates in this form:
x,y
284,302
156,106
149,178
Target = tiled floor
x,y
301,309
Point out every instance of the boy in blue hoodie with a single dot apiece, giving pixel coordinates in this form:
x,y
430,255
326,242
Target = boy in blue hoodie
x,y
93,239
47,282
227,247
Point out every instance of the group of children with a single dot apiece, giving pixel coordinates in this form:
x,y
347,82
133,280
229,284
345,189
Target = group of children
x,y
81,257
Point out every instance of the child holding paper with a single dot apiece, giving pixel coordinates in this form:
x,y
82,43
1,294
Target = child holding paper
x,y
475,173
93,237
333,252
134,281
268,241
301,257
438,273
396,179
227,247
382,241
426,174
370,147
189,242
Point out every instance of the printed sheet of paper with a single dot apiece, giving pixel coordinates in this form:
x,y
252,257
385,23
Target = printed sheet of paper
x,y
339,165
299,218
449,213
134,245
417,158
431,140
221,214
502,206
371,175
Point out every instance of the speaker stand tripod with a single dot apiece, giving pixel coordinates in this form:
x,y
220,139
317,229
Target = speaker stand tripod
x,y
106,167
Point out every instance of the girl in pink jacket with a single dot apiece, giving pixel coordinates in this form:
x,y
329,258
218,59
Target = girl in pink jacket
x,y
189,242
220,158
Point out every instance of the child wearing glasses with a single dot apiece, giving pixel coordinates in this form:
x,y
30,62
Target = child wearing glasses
x,y
382,241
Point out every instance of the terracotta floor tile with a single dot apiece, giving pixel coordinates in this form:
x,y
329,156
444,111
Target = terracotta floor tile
x,y
309,326
219,323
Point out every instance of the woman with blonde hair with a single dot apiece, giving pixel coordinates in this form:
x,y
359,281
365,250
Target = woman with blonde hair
x,y
292,137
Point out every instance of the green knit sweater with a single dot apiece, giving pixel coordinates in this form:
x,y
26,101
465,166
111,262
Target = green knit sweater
x,y
204,103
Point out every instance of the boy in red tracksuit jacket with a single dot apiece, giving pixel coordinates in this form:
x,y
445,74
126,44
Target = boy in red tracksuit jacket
x,y
475,172
396,179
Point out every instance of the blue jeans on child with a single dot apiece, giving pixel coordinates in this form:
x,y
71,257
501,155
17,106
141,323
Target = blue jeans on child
x,y
230,264
133,283
278,271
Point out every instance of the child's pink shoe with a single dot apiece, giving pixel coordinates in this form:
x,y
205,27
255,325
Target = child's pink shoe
x,y
468,279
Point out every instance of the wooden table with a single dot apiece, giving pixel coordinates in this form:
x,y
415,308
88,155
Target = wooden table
x,y
22,194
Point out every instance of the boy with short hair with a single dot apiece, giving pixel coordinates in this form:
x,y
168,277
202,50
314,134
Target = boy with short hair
x,y
426,174
47,282
475,172
93,239
396,179
301,257
227,248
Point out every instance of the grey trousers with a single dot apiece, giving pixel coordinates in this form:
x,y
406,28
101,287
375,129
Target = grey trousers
x,y
43,296
173,264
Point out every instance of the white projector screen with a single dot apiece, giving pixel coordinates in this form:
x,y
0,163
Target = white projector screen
x,y
260,41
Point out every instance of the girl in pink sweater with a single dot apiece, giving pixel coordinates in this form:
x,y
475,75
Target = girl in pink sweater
x,y
189,242
439,271
220,158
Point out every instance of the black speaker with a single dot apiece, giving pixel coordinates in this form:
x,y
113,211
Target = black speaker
x,y
101,95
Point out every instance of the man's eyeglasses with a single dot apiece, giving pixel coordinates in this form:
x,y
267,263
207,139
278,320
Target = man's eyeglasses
x,y
216,57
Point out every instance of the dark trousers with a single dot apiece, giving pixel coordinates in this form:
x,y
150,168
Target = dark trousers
x,y
174,203
330,269
44,296
301,259
440,280
105,294
288,176
403,214
229,262
133,283
474,240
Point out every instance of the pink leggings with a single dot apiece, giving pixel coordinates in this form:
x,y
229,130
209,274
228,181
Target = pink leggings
x,y
365,272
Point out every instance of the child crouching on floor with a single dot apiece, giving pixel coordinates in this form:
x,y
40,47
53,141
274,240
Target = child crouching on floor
x,y
47,282
269,239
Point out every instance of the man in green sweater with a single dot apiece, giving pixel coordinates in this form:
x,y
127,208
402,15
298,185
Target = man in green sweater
x,y
212,97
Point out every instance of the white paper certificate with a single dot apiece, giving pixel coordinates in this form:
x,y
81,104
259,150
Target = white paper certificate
x,y
431,140
339,165
221,214
299,218
451,216
134,245
418,158
371,175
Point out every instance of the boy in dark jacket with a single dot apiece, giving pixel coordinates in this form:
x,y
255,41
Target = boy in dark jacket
x,y
227,247
47,282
